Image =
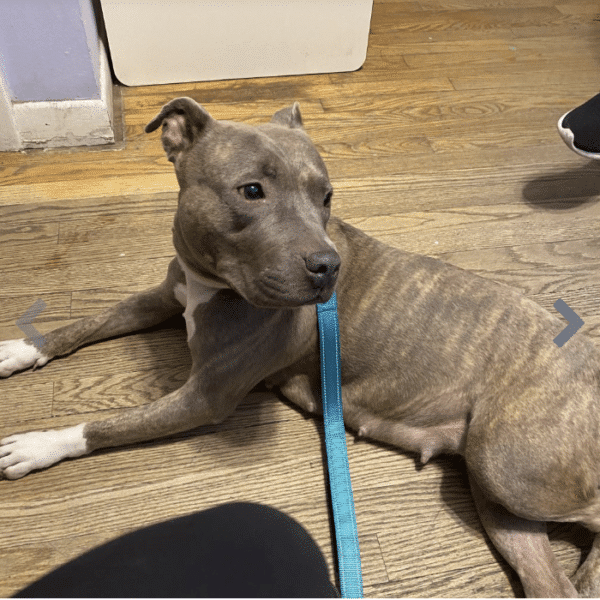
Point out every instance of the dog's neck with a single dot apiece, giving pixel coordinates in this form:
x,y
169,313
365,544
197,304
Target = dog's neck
x,y
197,290
199,281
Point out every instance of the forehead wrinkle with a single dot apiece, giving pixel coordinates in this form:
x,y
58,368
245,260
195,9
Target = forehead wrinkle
x,y
291,159
259,153
269,170
311,176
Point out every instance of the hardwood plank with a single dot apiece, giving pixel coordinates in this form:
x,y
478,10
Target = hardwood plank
x,y
35,401
145,272
460,5
438,108
102,208
574,83
393,44
473,20
582,7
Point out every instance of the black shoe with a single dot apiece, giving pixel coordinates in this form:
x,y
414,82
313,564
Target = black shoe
x,y
580,128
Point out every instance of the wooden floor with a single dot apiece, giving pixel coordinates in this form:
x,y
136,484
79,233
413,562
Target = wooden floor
x,y
444,143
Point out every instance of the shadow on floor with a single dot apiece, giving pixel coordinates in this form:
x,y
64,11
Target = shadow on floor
x,y
565,190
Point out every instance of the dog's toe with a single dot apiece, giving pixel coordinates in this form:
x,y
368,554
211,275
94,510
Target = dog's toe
x,y
13,462
17,471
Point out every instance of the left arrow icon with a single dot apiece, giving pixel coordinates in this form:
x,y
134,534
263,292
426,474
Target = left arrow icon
x,y
24,323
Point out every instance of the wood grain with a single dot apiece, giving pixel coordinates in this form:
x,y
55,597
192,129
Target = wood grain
x,y
444,143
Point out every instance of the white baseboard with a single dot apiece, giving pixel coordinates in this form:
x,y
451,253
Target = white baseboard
x,y
68,122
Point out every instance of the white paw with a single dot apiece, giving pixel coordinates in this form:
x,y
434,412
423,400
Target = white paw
x,y
16,355
24,452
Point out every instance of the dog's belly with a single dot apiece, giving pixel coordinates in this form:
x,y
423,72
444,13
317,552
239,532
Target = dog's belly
x,y
426,440
447,435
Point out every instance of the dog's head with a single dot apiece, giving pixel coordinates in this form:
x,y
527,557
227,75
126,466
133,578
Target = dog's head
x,y
253,204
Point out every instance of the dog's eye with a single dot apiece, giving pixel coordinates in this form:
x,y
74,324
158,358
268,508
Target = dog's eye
x,y
253,191
327,201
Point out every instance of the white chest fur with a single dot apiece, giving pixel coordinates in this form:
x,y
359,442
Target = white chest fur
x,y
196,291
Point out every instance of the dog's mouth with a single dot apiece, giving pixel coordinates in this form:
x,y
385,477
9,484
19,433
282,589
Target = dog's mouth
x,y
271,291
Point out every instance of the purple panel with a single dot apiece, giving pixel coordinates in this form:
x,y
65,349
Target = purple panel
x,y
45,50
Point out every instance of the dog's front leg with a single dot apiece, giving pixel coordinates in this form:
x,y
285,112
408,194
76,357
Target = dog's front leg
x,y
526,547
183,409
132,314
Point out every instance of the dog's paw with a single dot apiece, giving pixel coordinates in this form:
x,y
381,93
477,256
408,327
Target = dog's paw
x,y
16,355
22,453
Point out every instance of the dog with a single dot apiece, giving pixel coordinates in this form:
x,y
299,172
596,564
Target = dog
x,y
434,359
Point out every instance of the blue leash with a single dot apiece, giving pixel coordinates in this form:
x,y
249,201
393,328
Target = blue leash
x,y
344,519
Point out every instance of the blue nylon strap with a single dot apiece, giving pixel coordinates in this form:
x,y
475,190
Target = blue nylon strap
x,y
344,519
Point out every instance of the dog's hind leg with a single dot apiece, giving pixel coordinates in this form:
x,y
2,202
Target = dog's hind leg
x,y
137,312
587,578
526,547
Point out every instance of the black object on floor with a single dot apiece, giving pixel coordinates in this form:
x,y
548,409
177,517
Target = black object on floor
x,y
235,550
580,128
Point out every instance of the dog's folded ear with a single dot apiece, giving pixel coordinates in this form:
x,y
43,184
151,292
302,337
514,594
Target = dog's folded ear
x,y
289,117
182,120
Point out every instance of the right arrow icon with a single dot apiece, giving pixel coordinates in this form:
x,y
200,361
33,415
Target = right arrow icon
x,y
575,322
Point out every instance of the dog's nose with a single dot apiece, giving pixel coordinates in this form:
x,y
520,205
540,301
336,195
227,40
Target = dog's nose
x,y
323,266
